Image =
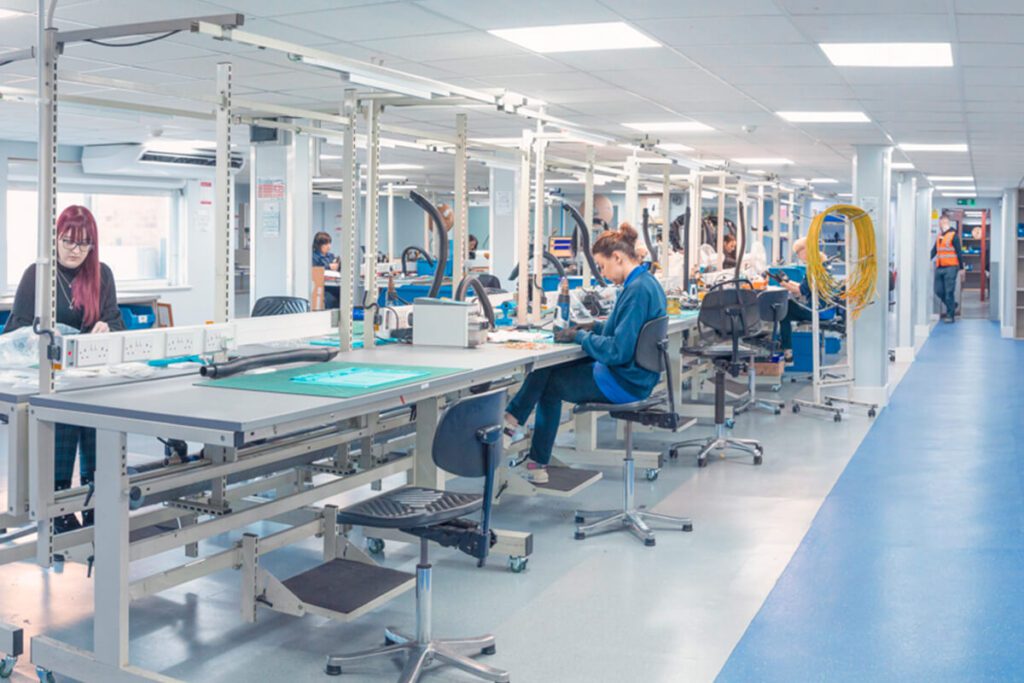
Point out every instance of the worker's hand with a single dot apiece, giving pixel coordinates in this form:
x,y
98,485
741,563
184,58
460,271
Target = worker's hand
x,y
566,335
100,327
791,287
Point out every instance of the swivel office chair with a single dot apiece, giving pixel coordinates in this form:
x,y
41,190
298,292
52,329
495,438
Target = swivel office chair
x,y
658,410
773,305
731,312
468,444
279,305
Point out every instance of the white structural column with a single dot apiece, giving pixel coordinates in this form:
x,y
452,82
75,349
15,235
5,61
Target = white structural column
x,y
391,222
223,303
539,195
300,213
504,250
460,240
523,228
46,272
372,215
349,211
1011,263
588,207
906,250
872,185
666,218
776,224
923,298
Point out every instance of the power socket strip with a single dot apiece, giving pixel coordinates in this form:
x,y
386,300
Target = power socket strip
x,y
219,337
142,345
183,342
90,350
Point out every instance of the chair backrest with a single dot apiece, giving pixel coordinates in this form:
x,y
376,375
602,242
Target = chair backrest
x,y
489,281
648,354
458,447
279,305
731,311
316,296
773,305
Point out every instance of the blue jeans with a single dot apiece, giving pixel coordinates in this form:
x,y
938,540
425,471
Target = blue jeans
x,y
546,389
945,287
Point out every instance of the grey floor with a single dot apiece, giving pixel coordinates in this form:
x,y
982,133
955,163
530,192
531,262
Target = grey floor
x,y
604,609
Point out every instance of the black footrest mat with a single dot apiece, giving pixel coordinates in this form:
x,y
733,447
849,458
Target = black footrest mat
x,y
345,585
567,478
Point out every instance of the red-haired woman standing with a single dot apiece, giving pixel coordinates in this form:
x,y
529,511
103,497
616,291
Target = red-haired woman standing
x,y
87,301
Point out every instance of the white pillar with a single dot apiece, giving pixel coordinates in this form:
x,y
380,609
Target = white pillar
x,y
872,184
906,251
1012,253
504,252
923,286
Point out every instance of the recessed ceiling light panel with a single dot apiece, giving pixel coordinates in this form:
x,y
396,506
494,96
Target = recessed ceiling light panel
x,y
889,54
933,147
824,116
612,35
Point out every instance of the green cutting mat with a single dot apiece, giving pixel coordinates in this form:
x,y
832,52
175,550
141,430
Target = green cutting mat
x,y
359,379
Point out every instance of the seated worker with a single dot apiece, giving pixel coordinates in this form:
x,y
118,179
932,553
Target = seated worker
x,y
729,251
87,301
795,313
323,258
610,374
474,244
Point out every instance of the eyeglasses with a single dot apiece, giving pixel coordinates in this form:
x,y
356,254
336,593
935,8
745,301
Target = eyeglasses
x,y
72,245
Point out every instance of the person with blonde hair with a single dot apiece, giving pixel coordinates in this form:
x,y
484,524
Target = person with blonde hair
x,y
795,313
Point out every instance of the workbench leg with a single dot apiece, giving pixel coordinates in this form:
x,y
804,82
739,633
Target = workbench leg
x,y
425,472
41,435
111,600
17,461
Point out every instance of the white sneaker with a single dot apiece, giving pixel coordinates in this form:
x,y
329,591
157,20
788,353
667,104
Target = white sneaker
x,y
512,436
536,474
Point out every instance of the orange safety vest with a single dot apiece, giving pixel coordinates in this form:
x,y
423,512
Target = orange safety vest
x,y
945,252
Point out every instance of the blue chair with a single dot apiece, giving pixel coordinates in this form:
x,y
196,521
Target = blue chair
x,y
467,444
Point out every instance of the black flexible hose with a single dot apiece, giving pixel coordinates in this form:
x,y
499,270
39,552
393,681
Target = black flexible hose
x,y
233,367
442,240
481,296
652,249
413,249
743,237
681,222
549,257
584,237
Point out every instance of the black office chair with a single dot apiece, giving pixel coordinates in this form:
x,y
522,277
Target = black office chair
x,y
772,305
279,305
467,444
731,310
659,410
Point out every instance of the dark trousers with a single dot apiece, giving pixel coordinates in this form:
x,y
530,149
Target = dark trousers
x,y
794,314
945,287
545,389
68,442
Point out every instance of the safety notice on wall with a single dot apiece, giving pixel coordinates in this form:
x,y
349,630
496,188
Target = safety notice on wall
x,y
270,201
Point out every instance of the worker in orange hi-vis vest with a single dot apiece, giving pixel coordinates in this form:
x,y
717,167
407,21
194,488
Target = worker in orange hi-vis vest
x,y
948,266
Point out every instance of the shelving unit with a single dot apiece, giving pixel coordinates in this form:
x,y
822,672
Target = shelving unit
x,y
975,249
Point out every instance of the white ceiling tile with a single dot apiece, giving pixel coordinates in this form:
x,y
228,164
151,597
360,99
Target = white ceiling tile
x,y
993,76
721,30
757,55
989,7
654,9
884,7
493,15
463,45
855,27
774,75
372,22
273,8
537,83
861,77
114,12
991,54
502,66
990,28
653,58
206,67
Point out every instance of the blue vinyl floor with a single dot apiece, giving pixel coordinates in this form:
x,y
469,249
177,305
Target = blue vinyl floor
x,y
913,569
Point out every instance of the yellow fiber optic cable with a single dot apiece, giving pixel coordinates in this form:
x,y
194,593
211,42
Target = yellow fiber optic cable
x,y
859,287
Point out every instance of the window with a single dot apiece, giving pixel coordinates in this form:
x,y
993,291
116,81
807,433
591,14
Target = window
x,y
135,232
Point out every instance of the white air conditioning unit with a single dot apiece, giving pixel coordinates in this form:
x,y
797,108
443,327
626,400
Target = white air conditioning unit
x,y
151,161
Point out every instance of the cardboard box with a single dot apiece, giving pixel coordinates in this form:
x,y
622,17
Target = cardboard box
x,y
770,369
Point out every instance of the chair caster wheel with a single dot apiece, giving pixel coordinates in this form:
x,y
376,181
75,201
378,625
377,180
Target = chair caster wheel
x,y
702,462
375,545
757,459
332,670
778,411
489,650
673,454
45,675
579,536
579,519
730,423
7,666
652,474
687,527
796,408
649,542
872,412
837,418
517,564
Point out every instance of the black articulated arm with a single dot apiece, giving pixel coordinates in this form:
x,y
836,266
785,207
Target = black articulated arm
x,y
233,367
583,233
742,239
491,437
442,240
550,258
652,249
481,294
413,249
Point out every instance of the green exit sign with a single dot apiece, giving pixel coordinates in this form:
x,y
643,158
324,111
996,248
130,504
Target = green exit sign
x,y
965,202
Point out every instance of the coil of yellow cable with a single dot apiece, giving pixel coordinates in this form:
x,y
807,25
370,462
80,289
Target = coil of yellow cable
x,y
859,287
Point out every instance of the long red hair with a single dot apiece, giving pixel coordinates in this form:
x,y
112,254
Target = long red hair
x,y
77,223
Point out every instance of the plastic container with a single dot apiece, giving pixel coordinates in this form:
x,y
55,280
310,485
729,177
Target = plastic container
x,y
137,316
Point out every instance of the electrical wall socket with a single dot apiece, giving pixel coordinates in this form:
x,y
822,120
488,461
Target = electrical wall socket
x,y
220,337
142,345
183,342
87,350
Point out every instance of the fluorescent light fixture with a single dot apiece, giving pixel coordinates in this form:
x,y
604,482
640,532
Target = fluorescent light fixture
x,y
889,54
479,193
845,195
959,194
393,83
955,188
392,177
951,178
824,181
817,197
328,180
401,188
758,171
669,126
705,194
763,161
612,35
498,142
802,181
9,13
675,147
902,166
395,167
562,181
824,116
933,147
